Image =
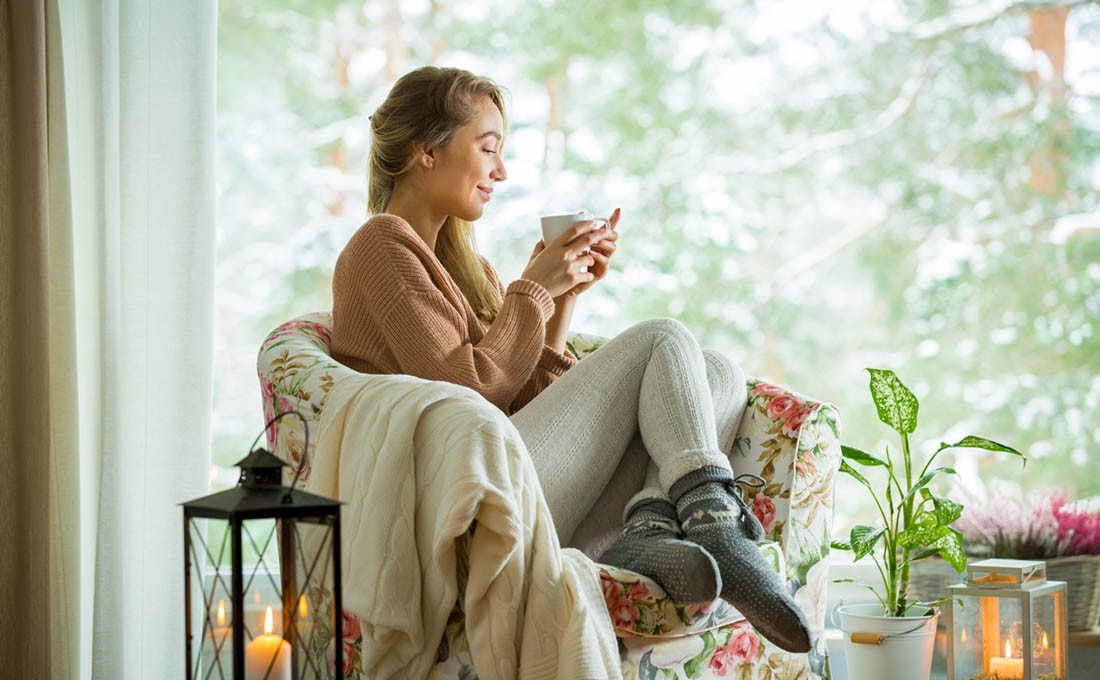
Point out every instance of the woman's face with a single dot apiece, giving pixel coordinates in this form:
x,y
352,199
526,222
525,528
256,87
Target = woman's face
x,y
463,173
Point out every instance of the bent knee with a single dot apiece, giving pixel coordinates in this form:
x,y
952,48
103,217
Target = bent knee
x,y
665,327
722,368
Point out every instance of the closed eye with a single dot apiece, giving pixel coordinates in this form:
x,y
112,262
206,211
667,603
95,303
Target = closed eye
x,y
489,150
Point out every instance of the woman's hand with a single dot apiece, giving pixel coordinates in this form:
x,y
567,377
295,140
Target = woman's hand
x,y
601,253
559,266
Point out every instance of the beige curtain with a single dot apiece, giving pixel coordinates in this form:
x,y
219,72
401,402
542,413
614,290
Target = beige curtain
x,y
106,306
39,577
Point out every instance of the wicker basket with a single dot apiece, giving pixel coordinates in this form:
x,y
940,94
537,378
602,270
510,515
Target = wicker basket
x,y
1082,576
929,578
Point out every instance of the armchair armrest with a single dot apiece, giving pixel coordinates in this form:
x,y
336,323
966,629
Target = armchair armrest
x,y
793,443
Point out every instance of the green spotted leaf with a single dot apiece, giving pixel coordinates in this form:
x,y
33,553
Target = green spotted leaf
x,y
848,469
896,405
946,510
925,479
925,533
863,539
951,549
862,457
972,442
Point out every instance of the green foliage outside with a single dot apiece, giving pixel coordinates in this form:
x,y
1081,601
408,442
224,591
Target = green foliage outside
x,y
811,187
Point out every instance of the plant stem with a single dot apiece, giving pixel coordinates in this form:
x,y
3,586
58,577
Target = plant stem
x,y
903,580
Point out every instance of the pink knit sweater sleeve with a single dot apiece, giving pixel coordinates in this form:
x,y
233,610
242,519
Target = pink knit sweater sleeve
x,y
552,364
394,306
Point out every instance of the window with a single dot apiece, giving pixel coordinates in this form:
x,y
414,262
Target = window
x,y
813,188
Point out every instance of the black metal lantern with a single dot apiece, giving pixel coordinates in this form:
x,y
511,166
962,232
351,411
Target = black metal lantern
x,y
262,578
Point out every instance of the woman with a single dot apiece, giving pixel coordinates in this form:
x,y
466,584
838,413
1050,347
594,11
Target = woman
x,y
411,295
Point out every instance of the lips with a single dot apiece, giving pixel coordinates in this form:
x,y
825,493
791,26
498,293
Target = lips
x,y
485,192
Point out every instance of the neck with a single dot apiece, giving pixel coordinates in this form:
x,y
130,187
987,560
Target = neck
x,y
409,204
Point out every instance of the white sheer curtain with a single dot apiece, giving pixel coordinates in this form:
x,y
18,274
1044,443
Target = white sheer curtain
x,y
127,317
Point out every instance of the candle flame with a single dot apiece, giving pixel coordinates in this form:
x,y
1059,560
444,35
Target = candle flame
x,y
221,612
963,636
269,622
1008,647
303,608
1046,642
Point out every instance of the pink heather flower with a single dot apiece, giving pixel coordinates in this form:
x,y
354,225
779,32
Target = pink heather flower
x,y
782,407
764,509
743,644
1078,530
1008,522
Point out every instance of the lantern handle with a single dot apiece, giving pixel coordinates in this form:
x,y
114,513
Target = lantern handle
x,y
305,449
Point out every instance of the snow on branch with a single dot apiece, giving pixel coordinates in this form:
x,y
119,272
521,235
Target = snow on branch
x,y
978,15
830,141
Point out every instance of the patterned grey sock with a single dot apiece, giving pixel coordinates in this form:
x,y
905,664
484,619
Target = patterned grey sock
x,y
650,545
716,518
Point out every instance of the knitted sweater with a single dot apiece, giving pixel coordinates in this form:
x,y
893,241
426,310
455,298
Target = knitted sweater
x,y
397,310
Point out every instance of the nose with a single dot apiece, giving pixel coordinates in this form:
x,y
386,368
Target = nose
x,y
499,173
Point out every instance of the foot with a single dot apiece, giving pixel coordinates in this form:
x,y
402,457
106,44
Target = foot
x,y
717,519
650,545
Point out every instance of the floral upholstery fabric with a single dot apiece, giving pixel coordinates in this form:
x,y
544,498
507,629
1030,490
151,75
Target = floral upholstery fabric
x,y
788,440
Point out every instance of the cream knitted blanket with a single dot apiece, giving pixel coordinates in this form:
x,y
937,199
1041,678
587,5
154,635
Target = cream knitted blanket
x,y
416,462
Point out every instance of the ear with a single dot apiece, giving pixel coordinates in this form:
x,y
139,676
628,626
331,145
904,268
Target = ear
x,y
425,157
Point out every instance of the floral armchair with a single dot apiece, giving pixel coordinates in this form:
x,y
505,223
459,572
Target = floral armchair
x,y
790,441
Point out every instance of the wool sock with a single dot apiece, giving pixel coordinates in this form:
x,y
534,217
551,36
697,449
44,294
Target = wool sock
x,y
715,517
650,545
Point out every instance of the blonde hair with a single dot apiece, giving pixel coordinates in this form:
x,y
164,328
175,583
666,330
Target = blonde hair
x,y
427,106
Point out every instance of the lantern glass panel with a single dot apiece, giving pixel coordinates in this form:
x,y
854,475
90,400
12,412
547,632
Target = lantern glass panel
x,y
1047,643
285,565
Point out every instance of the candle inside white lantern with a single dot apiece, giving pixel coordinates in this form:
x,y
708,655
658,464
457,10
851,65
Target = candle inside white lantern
x,y
1006,667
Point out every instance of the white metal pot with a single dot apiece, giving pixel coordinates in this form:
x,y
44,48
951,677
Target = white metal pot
x,y
887,647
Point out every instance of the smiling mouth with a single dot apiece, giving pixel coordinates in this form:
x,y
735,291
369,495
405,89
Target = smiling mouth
x,y
485,193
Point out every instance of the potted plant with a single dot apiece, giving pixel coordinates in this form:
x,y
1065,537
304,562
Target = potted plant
x,y
916,524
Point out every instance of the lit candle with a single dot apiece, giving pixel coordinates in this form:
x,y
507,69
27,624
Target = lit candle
x,y
303,625
220,631
259,653
1044,651
1006,667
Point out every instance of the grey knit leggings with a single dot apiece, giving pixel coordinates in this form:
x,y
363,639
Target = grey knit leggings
x,y
643,410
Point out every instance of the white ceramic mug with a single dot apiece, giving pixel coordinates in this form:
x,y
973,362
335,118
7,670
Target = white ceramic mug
x,y
554,226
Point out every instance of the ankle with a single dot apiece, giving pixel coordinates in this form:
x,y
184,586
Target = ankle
x,y
710,474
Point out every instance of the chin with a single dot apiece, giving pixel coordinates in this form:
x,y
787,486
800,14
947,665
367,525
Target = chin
x,y
471,214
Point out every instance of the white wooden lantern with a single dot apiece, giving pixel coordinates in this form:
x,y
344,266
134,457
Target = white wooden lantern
x,y
1006,622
